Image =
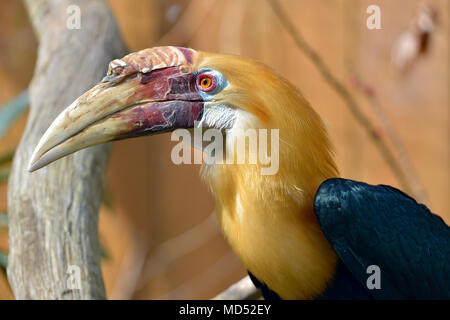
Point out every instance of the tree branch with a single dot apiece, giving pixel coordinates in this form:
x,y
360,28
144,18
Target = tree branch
x,y
53,213
244,289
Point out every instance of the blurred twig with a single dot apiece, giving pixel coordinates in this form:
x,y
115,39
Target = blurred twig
x,y
11,110
179,246
136,271
231,24
186,27
374,101
219,271
396,167
244,289
131,268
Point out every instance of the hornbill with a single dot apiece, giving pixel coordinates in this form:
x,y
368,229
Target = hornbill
x,y
302,233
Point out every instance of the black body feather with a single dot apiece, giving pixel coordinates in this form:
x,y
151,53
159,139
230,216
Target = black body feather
x,y
382,226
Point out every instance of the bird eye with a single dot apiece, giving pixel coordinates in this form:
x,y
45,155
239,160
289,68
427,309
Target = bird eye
x,y
206,82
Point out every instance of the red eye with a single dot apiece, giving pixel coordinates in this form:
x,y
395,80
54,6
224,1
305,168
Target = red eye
x,y
206,82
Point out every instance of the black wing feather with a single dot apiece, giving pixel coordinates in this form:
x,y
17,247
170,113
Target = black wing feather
x,y
380,225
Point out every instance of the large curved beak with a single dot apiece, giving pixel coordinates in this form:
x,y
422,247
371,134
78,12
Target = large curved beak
x,y
134,99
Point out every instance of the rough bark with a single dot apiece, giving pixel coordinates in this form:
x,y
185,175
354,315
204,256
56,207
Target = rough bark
x,y
53,213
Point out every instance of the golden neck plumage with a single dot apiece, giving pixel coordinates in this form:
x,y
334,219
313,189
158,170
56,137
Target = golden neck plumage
x,y
272,228
269,220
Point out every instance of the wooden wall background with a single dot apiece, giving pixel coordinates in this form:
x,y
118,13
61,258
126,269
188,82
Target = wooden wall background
x,y
157,231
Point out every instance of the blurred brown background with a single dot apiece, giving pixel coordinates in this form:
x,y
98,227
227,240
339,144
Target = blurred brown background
x,y
155,225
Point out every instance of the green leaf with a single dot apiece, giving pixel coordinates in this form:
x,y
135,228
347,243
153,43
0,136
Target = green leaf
x,y
6,157
108,197
3,260
12,109
3,220
4,174
104,253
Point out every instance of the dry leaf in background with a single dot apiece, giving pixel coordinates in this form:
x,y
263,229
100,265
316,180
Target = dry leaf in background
x,y
415,42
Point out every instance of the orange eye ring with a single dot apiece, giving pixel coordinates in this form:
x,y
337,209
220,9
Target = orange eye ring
x,y
206,82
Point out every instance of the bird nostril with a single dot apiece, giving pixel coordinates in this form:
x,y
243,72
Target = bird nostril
x,y
117,71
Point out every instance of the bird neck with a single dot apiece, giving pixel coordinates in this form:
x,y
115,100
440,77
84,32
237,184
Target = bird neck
x,y
270,224
269,219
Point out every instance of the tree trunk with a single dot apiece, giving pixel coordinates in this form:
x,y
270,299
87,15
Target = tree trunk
x,y
53,213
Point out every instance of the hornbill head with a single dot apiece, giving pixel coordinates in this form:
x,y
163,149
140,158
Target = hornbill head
x,y
165,88
151,91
